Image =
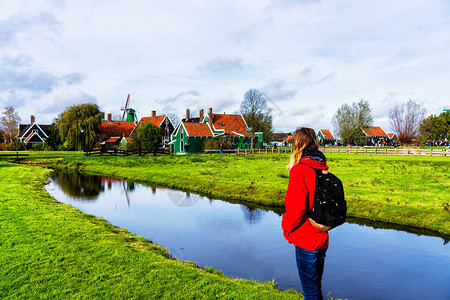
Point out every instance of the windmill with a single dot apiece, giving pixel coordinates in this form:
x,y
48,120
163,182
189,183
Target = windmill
x,y
129,112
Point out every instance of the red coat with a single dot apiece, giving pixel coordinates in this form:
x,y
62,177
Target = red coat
x,y
299,197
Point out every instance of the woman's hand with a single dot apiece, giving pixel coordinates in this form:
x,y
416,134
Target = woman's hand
x,y
319,226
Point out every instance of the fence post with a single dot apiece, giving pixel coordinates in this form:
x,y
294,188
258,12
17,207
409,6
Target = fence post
x,y
139,151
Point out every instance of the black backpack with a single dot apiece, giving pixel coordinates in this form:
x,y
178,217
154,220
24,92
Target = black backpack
x,y
329,207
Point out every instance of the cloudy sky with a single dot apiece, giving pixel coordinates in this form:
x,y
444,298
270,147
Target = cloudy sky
x,y
309,56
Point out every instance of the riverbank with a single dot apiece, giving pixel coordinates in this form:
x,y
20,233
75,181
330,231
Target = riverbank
x,y
51,250
405,190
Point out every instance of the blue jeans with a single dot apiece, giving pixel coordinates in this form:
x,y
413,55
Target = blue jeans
x,y
310,268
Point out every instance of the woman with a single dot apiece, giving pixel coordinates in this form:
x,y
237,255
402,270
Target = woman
x,y
309,240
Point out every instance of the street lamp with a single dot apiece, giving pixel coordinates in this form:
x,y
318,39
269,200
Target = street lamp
x,y
82,139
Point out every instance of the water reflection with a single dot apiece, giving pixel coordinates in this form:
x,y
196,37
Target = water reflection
x,y
252,215
79,186
365,260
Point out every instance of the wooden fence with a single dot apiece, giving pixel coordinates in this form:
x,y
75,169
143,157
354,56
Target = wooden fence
x,y
118,152
345,150
14,154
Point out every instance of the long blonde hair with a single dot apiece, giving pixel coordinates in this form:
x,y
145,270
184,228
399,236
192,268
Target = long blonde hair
x,y
304,138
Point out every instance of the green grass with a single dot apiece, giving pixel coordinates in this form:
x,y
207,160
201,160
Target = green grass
x,y
406,190
51,250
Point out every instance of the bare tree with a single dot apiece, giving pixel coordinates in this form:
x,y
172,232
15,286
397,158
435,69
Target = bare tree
x,y
349,120
10,123
174,118
405,121
257,114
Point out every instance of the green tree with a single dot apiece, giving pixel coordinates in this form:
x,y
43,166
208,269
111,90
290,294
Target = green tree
x,y
147,136
435,127
54,139
348,120
405,120
78,126
9,124
257,114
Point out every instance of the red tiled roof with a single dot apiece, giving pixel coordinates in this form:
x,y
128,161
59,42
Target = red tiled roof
x,y
155,120
390,135
327,134
197,129
116,128
113,139
374,131
230,123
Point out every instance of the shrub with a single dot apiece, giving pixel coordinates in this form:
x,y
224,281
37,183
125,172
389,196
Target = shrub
x,y
38,147
211,144
17,146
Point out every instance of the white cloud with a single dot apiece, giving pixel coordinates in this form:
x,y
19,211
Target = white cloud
x,y
309,56
222,66
64,99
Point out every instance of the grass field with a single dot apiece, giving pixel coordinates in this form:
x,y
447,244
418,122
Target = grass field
x,y
51,250
406,190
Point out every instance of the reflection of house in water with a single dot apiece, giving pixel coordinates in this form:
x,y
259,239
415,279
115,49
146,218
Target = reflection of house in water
x,y
252,215
128,186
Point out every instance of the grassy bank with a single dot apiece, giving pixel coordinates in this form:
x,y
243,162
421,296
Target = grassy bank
x,y
51,250
406,190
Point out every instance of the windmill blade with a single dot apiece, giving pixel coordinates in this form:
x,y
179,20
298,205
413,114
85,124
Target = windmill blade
x,y
128,101
125,109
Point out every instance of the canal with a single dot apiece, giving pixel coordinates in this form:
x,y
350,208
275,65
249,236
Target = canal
x,y
363,261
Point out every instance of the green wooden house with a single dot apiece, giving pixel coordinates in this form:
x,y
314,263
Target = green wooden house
x,y
325,137
191,133
190,137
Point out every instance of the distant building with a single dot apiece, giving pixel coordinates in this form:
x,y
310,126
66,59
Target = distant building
x,y
33,133
163,122
325,137
279,139
375,136
392,136
112,133
191,133
115,143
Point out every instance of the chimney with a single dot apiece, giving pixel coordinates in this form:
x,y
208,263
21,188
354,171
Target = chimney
x,y
153,113
33,119
210,121
188,113
200,114
109,116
